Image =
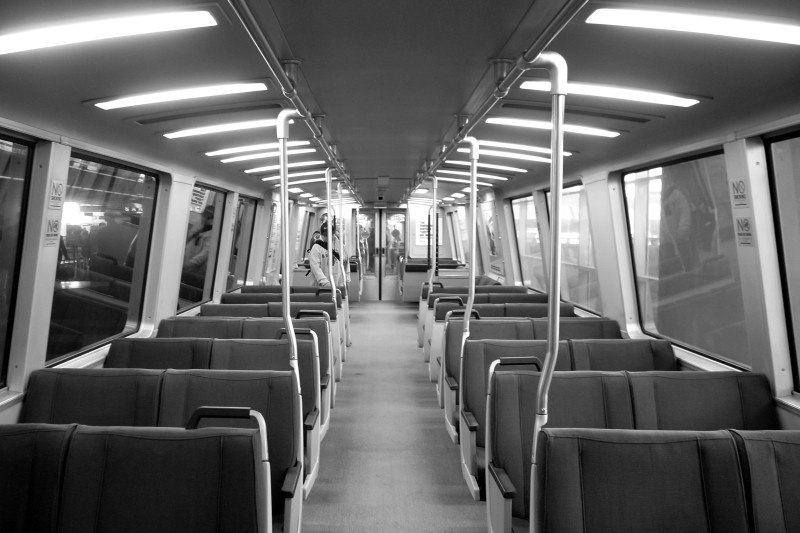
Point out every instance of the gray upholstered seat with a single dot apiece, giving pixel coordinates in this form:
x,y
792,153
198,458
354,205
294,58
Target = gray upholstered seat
x,y
178,352
634,355
580,328
93,396
216,327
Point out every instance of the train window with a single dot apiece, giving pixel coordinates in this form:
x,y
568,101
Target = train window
x,y
242,238
579,280
15,165
529,243
685,256
202,244
103,246
785,159
487,224
452,223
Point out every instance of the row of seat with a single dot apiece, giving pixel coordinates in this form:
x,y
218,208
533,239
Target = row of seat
x,y
662,401
576,354
127,398
74,478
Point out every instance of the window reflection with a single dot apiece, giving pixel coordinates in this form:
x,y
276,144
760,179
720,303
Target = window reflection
x,y
242,238
202,242
529,243
14,171
102,245
685,255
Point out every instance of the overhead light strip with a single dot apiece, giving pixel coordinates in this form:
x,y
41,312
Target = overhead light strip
x,y
266,155
278,167
294,175
510,155
692,23
478,175
520,147
222,128
254,148
486,165
181,94
619,93
542,125
96,30
456,180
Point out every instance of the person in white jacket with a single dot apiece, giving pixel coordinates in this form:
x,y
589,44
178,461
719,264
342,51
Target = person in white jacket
x,y
318,261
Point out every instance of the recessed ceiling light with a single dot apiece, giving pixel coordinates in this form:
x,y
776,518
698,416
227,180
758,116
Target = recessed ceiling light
x,y
295,190
290,165
421,191
620,93
181,94
707,24
543,125
95,30
254,148
305,195
295,175
449,199
477,174
485,165
520,147
266,155
457,180
219,128
510,155
314,199
457,195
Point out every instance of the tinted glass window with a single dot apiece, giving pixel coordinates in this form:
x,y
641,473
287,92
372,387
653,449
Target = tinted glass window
x,y
242,239
202,245
529,243
14,176
685,256
102,254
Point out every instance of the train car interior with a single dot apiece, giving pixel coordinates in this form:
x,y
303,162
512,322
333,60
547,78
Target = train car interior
x,y
509,266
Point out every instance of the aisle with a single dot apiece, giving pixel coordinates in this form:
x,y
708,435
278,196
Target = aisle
x,y
387,464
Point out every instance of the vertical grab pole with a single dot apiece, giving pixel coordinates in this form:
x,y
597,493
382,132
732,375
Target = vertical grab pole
x,y
557,66
331,222
283,135
473,200
342,234
434,236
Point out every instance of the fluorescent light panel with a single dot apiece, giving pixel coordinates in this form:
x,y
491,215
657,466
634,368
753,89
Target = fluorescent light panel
x,y
290,165
305,195
295,175
520,147
254,148
619,93
477,174
421,191
456,180
542,125
511,155
457,195
266,155
295,190
181,94
485,165
707,24
96,30
220,128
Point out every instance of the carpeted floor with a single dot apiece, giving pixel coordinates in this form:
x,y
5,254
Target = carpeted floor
x,y
387,463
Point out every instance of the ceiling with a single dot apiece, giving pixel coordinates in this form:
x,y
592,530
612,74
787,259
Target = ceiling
x,y
388,81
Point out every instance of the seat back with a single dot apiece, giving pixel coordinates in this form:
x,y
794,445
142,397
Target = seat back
x,y
276,309
485,328
478,358
126,479
93,396
270,328
440,309
577,399
703,401
226,327
267,297
771,462
31,468
580,328
255,310
536,310
506,297
634,355
273,393
655,481
179,352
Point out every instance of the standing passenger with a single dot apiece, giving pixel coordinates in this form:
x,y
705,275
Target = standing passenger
x,y
318,261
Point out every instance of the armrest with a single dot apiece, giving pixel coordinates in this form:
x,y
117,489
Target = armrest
x,y
311,419
216,412
324,381
451,382
471,421
502,480
526,360
291,481
314,313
